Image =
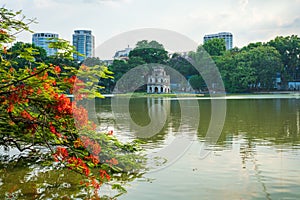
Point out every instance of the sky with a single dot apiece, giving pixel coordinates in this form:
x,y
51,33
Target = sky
x,y
248,20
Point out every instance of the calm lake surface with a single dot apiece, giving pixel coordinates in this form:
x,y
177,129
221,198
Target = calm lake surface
x,y
257,155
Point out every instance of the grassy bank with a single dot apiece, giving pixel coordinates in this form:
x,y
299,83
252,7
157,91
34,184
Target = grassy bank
x,y
170,95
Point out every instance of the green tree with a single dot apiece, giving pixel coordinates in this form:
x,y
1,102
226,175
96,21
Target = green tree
x,y
197,82
266,62
236,71
150,52
215,47
182,65
250,69
143,44
119,67
289,49
37,117
20,52
252,46
92,61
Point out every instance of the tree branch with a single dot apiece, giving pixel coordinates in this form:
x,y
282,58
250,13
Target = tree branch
x,y
25,78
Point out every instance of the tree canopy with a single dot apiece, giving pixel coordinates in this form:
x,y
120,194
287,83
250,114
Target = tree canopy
x,y
250,68
51,132
215,46
149,52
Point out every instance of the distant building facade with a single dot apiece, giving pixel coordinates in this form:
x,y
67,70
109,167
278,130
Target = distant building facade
x,y
223,35
158,81
84,43
122,54
294,85
43,40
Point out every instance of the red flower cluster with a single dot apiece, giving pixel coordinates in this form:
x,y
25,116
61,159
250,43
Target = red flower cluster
x,y
53,130
78,143
111,132
72,80
10,107
26,115
78,164
57,69
2,32
112,161
104,174
80,115
77,86
60,154
63,105
94,159
18,95
91,145
94,183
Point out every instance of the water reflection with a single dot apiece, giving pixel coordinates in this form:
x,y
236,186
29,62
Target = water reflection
x,y
28,178
166,128
275,120
256,157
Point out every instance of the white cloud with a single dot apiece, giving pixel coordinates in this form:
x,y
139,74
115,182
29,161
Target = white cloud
x,y
248,20
243,4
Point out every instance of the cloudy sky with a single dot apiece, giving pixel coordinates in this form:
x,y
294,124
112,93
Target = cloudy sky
x,y
248,20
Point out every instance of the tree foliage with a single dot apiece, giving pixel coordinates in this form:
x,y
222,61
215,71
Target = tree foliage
x,y
36,116
150,52
250,69
215,47
196,82
144,53
289,50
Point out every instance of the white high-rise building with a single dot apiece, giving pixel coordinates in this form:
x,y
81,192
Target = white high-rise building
x,y
224,35
43,40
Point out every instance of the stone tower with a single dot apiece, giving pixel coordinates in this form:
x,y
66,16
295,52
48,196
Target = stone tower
x,y
158,81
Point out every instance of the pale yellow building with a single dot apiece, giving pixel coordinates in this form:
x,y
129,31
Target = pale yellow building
x,y
158,81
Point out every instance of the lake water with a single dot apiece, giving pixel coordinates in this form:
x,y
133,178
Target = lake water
x,y
257,155
240,147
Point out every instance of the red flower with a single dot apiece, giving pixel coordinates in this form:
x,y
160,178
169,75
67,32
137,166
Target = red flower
x,y
95,183
10,107
79,165
110,132
52,129
95,159
78,143
62,151
61,154
26,115
39,91
113,161
46,86
104,174
57,69
45,76
86,170
96,148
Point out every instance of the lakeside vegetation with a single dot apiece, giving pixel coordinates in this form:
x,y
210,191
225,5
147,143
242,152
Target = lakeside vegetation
x,y
170,95
256,67
48,140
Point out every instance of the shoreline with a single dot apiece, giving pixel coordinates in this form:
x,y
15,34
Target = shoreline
x,y
175,95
